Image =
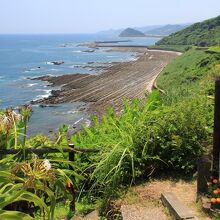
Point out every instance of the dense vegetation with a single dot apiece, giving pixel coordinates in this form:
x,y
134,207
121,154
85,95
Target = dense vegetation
x,y
178,48
206,33
163,133
30,185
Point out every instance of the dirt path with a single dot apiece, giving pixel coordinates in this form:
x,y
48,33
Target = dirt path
x,y
127,79
140,200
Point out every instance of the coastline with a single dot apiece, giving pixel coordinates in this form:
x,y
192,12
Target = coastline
x,y
131,79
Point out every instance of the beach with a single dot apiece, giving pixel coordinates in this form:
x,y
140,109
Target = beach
x,y
131,79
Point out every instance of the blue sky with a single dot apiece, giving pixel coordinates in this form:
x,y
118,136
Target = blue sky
x,y
86,16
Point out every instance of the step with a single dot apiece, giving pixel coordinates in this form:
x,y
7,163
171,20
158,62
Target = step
x,y
176,208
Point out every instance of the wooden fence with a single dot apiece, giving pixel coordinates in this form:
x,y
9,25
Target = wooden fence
x,y
72,150
210,164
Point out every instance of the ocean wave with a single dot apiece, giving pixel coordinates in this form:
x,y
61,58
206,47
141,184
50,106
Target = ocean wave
x,y
54,69
46,94
42,90
111,56
77,51
133,59
35,68
37,76
49,63
32,69
72,112
31,84
21,78
69,112
76,122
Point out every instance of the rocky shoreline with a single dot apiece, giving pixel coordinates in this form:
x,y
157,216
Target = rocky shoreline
x,y
126,79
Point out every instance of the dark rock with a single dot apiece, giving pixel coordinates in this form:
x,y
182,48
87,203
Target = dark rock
x,y
57,62
89,51
49,106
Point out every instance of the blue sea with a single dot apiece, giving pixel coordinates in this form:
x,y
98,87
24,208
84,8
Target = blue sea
x,y
27,56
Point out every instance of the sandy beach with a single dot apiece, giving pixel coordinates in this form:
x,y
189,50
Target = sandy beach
x,y
130,79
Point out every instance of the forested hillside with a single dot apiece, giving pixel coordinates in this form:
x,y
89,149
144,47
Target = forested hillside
x,y
206,33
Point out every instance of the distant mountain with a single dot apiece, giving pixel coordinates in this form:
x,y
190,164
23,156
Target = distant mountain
x,y
206,33
116,32
110,33
166,30
130,32
147,28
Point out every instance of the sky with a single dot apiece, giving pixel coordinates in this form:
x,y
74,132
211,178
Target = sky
x,y
87,16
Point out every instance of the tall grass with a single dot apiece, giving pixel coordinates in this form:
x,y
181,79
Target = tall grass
x,y
161,132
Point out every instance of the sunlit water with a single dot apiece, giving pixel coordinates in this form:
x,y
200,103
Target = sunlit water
x,y
27,56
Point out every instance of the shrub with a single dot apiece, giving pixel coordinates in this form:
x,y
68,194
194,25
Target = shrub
x,y
175,136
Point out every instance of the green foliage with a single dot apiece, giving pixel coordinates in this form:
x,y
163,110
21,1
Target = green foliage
x,y
14,215
28,182
114,137
162,132
215,49
35,182
178,48
187,76
206,33
174,136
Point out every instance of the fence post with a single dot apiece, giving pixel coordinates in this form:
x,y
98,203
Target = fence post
x,y
204,173
216,136
72,159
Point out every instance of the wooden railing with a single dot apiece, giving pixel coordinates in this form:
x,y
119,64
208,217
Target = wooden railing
x,y
72,150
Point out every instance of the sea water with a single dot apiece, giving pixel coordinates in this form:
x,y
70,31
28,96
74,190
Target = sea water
x,y
23,57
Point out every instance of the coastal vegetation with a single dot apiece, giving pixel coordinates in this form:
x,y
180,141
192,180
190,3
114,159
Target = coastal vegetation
x,y
165,132
206,33
143,138
178,48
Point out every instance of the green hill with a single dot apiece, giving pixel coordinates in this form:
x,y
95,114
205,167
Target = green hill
x,y
166,30
130,32
206,33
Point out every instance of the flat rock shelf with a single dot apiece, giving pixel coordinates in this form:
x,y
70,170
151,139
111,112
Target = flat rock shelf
x,y
130,79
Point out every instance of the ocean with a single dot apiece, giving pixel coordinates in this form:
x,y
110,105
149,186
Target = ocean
x,y
23,57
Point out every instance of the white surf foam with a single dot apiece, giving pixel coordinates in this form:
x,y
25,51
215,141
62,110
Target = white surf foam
x,y
49,63
46,94
77,51
111,56
31,84
133,59
78,121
